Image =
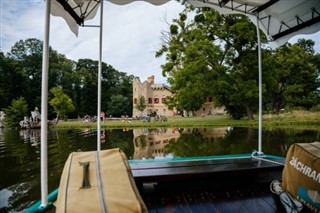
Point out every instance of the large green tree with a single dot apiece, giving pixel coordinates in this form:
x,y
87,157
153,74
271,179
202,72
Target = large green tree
x,y
212,56
297,75
12,81
27,55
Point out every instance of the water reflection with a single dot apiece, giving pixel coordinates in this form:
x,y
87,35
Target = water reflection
x,y
20,151
168,142
31,136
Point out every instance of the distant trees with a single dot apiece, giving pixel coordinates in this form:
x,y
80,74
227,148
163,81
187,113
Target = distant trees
x,y
119,105
20,76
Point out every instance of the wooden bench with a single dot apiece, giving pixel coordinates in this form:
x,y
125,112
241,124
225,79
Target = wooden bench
x,y
188,169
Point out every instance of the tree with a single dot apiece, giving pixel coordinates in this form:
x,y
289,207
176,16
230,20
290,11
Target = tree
x,y
12,81
119,105
141,105
61,103
87,72
211,51
297,76
27,56
16,112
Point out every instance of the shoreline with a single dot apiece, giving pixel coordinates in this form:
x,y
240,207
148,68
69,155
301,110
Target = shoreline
x,y
294,119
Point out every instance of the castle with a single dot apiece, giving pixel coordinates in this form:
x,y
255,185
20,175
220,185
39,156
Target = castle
x,y
155,96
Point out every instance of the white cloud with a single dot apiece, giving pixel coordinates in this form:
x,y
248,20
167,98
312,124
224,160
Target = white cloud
x,y
315,37
131,33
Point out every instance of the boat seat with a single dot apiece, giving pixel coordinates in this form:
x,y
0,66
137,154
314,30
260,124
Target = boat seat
x,y
188,169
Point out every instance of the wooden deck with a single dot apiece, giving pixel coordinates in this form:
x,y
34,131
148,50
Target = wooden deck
x,y
208,185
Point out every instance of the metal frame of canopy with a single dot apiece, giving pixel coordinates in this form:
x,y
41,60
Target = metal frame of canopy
x,y
263,13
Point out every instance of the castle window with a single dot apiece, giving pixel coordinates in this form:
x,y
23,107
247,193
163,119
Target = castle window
x,y
163,100
135,101
156,100
150,100
210,99
164,110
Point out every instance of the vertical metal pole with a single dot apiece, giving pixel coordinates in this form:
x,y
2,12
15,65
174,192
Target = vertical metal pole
x,y
44,108
260,87
99,79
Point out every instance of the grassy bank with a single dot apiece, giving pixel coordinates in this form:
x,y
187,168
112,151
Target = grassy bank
x,y
294,119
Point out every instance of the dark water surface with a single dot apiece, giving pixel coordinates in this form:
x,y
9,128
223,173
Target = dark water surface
x,y
20,151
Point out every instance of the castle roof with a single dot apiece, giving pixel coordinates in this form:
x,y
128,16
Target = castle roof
x,y
160,87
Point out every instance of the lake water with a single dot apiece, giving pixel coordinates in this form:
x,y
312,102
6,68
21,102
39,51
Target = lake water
x,y
20,151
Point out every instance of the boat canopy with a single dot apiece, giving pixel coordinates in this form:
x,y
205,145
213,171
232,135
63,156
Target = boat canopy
x,y
278,19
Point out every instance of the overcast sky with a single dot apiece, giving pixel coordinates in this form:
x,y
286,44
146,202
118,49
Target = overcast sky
x,y
131,34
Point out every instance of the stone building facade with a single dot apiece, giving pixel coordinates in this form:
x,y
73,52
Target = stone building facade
x,y
155,96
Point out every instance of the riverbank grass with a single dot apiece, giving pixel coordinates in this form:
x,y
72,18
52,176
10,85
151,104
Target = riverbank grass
x,y
293,119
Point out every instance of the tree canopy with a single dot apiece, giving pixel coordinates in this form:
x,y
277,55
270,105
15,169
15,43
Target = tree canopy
x,y
213,55
61,103
20,76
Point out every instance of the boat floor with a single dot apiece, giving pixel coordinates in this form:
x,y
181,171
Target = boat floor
x,y
209,185
223,194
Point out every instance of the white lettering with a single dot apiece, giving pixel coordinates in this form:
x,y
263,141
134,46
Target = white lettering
x,y
304,169
317,178
293,162
308,171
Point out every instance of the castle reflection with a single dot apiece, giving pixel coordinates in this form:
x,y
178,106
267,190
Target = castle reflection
x,y
151,143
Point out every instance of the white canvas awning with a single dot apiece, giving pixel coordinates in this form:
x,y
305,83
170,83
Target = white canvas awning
x,y
279,20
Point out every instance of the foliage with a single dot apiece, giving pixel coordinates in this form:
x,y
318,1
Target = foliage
x,y
141,104
16,112
27,57
20,76
297,76
315,108
61,103
119,105
212,55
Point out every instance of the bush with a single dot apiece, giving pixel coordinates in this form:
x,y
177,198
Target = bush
x,y
16,112
315,108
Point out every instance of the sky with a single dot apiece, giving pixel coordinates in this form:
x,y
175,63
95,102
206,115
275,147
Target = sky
x,y
131,34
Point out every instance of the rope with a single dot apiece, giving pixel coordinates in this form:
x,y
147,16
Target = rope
x,y
255,154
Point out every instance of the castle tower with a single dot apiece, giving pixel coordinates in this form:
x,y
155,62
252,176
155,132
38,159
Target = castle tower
x,y
150,79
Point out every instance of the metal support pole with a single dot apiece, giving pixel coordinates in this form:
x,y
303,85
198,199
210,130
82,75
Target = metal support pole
x,y
260,88
44,109
99,79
